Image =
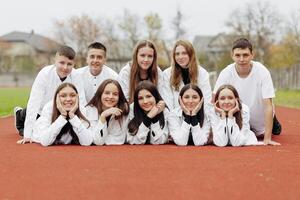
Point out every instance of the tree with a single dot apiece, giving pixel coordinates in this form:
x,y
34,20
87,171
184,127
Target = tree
x,y
78,32
259,22
177,24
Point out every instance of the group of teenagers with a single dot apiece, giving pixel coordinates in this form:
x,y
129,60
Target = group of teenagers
x,y
145,105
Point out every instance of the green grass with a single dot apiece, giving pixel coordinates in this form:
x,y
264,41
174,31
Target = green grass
x,y
11,97
289,98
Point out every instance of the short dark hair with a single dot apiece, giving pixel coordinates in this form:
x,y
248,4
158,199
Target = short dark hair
x,y
97,45
66,51
242,43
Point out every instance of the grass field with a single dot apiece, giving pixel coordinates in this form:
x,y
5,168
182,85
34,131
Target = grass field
x,y
11,97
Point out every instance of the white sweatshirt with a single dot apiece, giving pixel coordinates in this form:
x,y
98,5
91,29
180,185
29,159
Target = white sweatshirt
x,y
42,91
180,129
91,83
124,80
158,135
45,132
111,133
227,132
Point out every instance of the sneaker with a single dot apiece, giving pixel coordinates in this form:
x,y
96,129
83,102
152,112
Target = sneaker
x,y
18,124
276,130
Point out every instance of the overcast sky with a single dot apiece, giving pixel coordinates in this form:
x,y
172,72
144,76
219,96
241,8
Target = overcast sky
x,y
206,17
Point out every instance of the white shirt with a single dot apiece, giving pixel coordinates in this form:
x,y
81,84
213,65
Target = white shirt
x,y
180,129
172,95
109,133
42,91
158,135
227,132
252,90
124,80
45,132
91,82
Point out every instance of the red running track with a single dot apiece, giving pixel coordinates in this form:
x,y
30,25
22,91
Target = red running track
x,y
152,172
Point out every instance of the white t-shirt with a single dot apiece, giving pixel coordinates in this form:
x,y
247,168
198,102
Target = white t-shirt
x,y
91,82
252,90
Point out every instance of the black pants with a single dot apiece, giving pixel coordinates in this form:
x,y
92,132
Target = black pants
x,y
20,120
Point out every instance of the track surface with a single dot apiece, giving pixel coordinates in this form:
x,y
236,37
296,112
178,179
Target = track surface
x,y
152,172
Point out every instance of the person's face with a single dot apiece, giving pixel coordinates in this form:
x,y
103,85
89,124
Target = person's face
x,y
190,99
96,58
242,57
110,96
145,57
146,100
63,65
226,100
181,56
67,97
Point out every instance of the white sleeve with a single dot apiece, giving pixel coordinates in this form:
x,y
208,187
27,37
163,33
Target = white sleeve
x,y
221,80
179,130
267,85
220,133
140,137
205,86
159,135
124,80
201,134
84,135
100,133
34,103
80,89
167,91
47,131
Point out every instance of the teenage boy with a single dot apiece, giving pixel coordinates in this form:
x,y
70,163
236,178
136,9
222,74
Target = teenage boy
x,y
43,89
255,87
96,71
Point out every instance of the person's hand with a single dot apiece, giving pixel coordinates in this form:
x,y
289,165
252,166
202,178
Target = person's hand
x,y
183,108
62,111
74,109
198,107
234,110
161,106
219,110
113,111
270,142
24,141
153,112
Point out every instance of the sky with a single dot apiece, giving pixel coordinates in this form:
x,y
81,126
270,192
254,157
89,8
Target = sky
x,y
202,17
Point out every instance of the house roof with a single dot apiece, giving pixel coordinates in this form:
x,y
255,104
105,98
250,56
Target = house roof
x,y
39,42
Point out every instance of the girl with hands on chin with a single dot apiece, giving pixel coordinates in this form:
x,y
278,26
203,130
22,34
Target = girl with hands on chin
x,y
230,119
107,111
188,123
148,116
61,121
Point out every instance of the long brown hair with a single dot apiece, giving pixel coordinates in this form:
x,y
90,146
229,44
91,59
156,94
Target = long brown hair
x,y
139,113
135,69
55,111
122,103
176,76
238,114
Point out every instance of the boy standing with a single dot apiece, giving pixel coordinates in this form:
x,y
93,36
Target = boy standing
x,y
43,89
254,84
96,71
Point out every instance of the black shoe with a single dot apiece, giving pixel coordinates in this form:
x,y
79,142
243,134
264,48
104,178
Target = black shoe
x,y
18,123
276,130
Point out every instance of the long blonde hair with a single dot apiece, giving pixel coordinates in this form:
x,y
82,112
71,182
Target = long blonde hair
x,y
176,76
135,69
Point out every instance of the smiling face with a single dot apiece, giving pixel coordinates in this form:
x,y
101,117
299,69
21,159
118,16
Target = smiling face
x,y
146,100
181,56
67,97
190,99
63,65
110,96
145,57
226,99
96,58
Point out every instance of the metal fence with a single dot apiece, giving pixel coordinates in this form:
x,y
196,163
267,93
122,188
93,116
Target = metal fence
x,y
286,78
